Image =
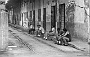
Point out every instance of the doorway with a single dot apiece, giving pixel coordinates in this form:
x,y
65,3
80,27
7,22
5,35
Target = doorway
x,y
30,21
22,18
44,18
34,18
53,18
62,16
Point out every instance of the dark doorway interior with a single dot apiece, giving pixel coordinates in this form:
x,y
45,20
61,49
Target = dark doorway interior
x,y
62,16
34,19
44,18
22,18
30,17
53,18
39,15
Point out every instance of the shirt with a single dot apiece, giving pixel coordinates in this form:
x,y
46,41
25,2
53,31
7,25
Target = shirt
x,y
31,26
42,29
53,30
67,34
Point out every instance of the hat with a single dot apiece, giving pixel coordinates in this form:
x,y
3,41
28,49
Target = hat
x,y
64,29
38,25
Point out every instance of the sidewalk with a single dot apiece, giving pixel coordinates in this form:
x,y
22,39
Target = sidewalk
x,y
81,45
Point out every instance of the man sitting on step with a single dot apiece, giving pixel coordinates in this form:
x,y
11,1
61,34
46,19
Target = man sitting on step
x,y
40,31
50,33
64,37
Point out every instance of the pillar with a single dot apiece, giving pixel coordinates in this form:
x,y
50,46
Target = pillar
x,y
3,27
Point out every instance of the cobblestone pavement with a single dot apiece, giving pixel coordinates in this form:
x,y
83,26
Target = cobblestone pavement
x,y
21,45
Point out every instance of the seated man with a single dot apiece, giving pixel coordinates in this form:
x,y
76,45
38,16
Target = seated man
x,y
31,29
40,31
58,37
50,33
64,38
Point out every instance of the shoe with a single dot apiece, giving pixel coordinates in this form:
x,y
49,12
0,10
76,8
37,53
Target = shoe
x,y
55,42
65,44
59,44
43,37
46,38
38,35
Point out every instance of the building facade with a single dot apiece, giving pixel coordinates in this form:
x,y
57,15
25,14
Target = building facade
x,y
3,26
70,14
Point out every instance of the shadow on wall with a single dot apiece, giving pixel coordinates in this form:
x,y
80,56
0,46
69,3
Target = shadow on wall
x,y
81,31
77,30
70,8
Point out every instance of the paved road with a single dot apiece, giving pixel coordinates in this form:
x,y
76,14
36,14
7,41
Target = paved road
x,y
29,47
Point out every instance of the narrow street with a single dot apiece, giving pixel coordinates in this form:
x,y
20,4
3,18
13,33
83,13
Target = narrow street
x,y
44,28
22,45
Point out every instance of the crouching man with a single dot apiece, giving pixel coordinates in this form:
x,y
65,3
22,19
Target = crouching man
x,y
40,31
64,37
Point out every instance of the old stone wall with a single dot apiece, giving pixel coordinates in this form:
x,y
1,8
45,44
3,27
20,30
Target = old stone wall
x,y
75,17
76,20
